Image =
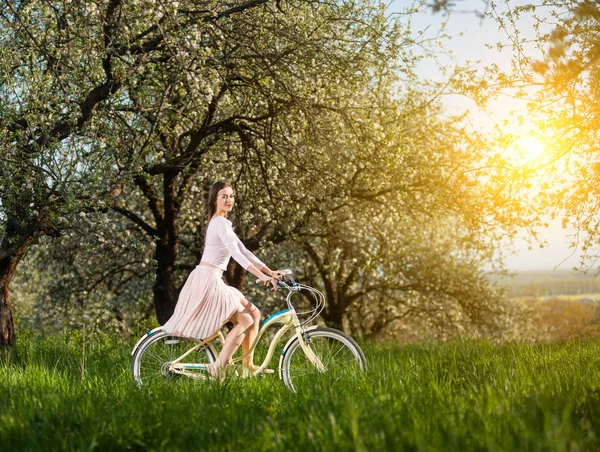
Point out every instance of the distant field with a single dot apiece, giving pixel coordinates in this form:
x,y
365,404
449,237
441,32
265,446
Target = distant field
x,y
551,284
457,397
584,297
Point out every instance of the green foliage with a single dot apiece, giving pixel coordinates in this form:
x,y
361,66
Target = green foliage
x,y
555,47
459,396
344,161
47,172
102,280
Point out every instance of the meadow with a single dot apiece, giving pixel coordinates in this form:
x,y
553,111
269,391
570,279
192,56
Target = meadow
x,y
57,394
550,284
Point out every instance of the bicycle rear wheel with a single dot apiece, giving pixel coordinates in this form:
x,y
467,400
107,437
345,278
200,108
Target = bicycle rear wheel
x,y
151,360
339,353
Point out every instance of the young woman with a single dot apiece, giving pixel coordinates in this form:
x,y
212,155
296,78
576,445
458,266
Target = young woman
x,y
206,303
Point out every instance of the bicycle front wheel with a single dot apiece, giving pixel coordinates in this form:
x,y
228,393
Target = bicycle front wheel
x,y
152,360
340,355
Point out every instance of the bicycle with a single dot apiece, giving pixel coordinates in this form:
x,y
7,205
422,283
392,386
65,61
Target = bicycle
x,y
311,349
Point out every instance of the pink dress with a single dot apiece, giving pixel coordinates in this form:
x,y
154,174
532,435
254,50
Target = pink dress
x,y
206,303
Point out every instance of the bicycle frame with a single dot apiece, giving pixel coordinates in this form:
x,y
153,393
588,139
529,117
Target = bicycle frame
x,y
288,320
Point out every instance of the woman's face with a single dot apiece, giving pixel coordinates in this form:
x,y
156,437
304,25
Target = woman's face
x,y
224,202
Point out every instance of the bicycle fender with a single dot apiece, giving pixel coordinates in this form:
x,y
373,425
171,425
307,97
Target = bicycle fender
x,y
144,337
287,345
310,328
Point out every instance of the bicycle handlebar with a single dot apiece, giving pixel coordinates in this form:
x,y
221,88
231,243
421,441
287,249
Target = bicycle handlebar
x,y
292,286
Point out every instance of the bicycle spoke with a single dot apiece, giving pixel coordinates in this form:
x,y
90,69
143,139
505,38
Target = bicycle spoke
x,y
153,355
149,377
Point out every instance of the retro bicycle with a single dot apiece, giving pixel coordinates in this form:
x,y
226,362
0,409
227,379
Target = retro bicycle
x,y
312,349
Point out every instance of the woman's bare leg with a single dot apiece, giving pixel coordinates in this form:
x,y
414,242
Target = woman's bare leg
x,y
251,334
242,321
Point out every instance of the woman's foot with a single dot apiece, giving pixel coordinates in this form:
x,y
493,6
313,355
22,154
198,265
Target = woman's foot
x,y
215,371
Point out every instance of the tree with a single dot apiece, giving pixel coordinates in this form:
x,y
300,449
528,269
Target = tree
x,y
61,65
405,227
241,97
296,102
97,275
155,87
556,69
46,174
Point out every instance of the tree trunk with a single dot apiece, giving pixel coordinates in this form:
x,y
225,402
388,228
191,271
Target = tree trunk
x,y
235,275
8,264
335,308
334,317
165,290
167,247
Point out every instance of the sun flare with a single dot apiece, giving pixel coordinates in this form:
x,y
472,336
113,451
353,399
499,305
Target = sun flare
x,y
527,149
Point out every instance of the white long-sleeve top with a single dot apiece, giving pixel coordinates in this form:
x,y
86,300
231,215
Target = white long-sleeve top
x,y
222,244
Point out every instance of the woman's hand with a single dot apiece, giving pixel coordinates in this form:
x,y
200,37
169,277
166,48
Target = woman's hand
x,y
271,281
277,274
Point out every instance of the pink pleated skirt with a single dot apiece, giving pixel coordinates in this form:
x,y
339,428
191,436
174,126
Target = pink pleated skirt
x,y
205,304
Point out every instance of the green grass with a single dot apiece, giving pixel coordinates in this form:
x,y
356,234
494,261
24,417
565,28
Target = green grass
x,y
460,396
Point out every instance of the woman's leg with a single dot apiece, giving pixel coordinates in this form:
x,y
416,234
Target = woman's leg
x,y
251,334
242,321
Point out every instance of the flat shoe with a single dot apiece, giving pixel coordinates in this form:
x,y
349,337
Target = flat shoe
x,y
247,373
215,372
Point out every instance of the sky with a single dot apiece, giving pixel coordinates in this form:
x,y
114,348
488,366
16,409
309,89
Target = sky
x,y
470,34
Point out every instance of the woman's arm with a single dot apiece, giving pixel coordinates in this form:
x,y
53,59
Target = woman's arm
x,y
264,278
258,263
250,255
231,242
235,246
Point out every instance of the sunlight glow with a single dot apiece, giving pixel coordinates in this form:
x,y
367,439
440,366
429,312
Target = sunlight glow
x,y
526,150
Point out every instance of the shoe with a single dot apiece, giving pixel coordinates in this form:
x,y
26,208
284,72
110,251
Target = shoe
x,y
215,371
247,373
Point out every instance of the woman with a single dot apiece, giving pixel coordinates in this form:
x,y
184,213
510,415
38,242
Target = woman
x,y
206,303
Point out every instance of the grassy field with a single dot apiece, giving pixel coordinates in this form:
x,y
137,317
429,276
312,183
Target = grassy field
x,y
460,396
548,284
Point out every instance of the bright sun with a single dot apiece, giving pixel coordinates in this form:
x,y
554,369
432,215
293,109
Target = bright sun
x,y
527,149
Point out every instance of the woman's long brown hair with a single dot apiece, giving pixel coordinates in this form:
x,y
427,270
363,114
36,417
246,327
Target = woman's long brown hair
x,y
212,197
212,200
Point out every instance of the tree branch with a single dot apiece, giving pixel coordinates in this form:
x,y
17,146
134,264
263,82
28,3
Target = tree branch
x,y
135,219
206,16
153,201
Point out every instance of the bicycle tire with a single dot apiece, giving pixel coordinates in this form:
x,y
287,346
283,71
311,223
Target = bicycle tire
x,y
338,352
151,359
